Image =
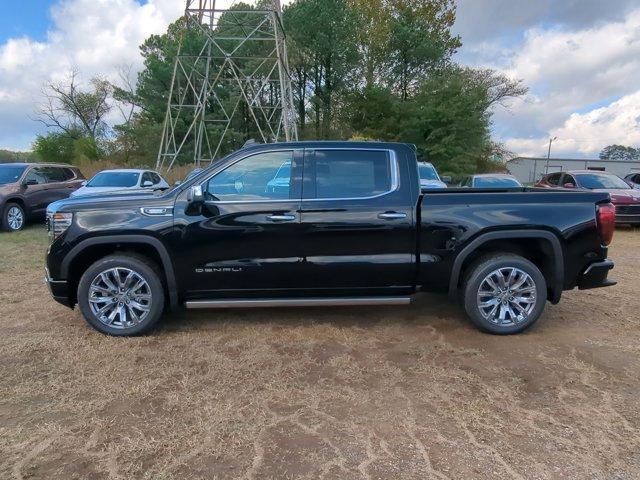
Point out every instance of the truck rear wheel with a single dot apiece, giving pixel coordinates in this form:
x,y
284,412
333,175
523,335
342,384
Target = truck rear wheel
x,y
504,294
121,295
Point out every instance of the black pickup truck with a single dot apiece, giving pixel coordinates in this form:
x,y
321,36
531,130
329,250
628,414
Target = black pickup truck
x,y
324,224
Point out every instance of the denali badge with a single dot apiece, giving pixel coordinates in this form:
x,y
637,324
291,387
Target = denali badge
x,y
219,270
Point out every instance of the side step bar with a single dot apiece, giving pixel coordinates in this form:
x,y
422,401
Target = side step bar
x,y
297,302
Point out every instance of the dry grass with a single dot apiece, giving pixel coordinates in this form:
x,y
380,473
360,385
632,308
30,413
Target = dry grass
x,y
349,393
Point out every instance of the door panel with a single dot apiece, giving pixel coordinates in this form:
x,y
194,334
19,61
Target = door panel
x,y
59,185
246,235
36,195
365,240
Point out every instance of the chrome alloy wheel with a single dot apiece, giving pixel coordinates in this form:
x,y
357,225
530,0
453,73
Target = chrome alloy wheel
x,y
15,218
507,296
120,298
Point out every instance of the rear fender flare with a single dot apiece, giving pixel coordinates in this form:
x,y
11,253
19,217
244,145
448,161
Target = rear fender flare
x,y
552,239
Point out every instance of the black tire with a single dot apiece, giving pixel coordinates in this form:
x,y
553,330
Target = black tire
x,y
8,223
475,278
142,267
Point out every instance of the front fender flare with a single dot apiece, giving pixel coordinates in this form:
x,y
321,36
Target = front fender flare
x,y
167,265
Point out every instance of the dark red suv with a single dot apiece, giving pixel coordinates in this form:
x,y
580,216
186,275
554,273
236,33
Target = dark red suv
x,y
625,198
27,188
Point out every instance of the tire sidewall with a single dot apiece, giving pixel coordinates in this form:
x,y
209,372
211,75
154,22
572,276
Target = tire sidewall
x,y
494,263
5,217
142,268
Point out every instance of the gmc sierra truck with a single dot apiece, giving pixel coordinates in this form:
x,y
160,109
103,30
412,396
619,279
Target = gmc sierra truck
x,y
324,224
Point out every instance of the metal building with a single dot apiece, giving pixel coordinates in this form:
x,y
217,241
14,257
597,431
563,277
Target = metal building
x,y
531,169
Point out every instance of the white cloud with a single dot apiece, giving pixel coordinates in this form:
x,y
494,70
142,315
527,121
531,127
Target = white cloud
x,y
97,37
573,74
588,133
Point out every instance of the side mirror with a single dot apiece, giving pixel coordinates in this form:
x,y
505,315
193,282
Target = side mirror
x,y
195,194
446,178
147,184
569,185
30,182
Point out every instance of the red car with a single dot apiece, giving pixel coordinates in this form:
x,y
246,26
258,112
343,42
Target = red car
x,y
625,198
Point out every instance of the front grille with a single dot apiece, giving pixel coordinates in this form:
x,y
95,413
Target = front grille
x,y
628,209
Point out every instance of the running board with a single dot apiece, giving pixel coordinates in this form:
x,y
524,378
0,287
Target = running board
x,y
297,302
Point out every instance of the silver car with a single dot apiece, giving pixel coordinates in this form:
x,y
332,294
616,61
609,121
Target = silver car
x,y
122,180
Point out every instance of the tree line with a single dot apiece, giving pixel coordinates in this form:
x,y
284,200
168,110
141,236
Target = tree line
x,y
360,69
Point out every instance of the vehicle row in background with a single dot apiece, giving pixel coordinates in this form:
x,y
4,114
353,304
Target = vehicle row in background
x,y
429,178
27,189
624,197
490,180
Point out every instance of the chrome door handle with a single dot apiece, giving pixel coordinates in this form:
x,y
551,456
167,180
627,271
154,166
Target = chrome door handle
x,y
281,218
392,216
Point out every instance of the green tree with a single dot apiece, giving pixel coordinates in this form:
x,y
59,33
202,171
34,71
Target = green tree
x,y
322,31
448,119
58,147
620,152
420,41
77,112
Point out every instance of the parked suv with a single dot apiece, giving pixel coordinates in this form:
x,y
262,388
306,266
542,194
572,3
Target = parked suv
x,y
27,189
348,226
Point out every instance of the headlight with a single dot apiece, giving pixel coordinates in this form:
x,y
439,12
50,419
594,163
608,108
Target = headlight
x,y
58,223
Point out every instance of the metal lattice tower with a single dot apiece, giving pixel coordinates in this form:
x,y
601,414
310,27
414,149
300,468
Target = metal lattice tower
x,y
236,75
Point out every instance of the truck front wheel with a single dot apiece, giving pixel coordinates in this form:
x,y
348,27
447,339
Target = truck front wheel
x,y
504,294
121,295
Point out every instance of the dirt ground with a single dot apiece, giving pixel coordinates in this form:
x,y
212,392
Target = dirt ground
x,y
357,393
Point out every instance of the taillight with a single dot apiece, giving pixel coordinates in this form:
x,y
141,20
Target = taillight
x,y
606,222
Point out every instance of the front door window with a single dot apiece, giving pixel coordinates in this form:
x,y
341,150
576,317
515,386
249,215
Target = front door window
x,y
260,177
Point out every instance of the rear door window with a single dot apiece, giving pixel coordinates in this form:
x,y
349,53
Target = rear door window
x,y
554,178
568,179
341,174
55,174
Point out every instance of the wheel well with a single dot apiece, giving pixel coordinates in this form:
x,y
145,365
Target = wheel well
x,y
537,250
93,253
19,201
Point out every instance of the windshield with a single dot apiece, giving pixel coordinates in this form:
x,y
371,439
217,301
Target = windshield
x,y
598,180
496,182
427,172
114,179
10,173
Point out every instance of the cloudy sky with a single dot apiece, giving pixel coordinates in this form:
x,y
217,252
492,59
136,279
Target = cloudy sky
x,y
580,59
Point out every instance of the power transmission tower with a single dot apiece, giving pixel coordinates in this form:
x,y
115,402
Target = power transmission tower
x,y
231,69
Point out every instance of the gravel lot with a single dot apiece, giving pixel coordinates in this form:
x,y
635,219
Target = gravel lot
x,y
358,393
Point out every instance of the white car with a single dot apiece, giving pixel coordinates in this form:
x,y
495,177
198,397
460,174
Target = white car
x,y
123,180
429,177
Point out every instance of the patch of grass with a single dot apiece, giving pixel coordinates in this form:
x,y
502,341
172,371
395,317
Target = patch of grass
x,y
23,249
